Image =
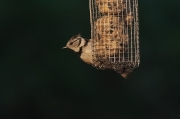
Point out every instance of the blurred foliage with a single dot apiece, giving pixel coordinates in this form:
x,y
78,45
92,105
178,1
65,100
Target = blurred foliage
x,y
40,80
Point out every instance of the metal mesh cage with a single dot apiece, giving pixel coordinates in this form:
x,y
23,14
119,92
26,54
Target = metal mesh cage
x,y
115,34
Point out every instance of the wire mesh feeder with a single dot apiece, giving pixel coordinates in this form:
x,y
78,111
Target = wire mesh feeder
x,y
115,34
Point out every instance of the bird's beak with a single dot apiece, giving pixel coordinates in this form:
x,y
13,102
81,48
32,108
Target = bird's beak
x,y
64,47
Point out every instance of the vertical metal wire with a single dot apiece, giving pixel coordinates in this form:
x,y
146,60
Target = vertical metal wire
x,y
137,36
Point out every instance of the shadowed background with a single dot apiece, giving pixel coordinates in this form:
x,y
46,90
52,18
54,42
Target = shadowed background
x,y
39,80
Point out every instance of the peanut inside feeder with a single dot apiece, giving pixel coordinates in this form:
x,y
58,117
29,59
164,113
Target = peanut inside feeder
x,y
110,6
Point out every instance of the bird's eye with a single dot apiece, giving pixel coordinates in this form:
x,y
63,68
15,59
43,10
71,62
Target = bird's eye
x,y
70,43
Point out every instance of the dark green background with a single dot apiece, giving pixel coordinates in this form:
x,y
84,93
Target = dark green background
x,y
39,80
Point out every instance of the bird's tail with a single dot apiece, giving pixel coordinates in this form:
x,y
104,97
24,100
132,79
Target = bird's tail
x,y
126,73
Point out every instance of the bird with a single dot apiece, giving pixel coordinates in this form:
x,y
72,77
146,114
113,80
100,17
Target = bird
x,y
81,46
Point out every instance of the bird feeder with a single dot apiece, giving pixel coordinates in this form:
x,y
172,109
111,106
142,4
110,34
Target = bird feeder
x,y
115,34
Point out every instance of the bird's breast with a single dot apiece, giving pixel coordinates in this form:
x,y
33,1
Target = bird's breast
x,y
86,54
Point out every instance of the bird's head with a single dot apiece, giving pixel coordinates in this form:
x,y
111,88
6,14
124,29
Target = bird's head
x,y
75,43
